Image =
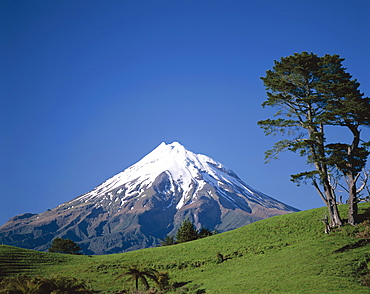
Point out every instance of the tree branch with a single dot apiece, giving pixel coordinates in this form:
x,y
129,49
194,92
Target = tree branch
x,y
364,182
319,191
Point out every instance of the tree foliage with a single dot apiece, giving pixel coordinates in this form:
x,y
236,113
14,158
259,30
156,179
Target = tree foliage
x,y
135,274
168,240
162,280
65,246
204,232
310,93
186,232
346,107
42,285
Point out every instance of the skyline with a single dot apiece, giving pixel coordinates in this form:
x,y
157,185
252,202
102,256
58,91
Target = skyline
x,y
92,87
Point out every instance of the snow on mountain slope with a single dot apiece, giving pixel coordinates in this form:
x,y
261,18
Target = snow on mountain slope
x,y
147,201
184,168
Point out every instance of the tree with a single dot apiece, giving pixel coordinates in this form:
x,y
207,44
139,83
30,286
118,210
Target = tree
x,y
346,107
305,89
168,240
186,232
350,160
136,274
65,246
313,92
204,232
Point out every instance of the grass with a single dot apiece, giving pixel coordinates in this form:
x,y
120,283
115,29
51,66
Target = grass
x,y
283,254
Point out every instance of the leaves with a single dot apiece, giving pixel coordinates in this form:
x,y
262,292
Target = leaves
x,y
135,274
186,232
39,285
168,240
304,176
346,161
65,246
310,92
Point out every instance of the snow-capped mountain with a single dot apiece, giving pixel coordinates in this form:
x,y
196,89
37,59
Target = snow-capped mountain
x,y
146,202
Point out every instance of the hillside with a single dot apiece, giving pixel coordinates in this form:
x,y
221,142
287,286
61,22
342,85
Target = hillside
x,y
283,254
146,202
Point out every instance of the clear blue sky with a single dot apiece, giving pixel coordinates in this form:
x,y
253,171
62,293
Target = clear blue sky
x,y
90,87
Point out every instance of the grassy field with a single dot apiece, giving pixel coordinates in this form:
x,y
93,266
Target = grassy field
x,y
283,254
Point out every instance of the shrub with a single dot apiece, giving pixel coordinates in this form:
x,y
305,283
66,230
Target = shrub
x,y
66,246
41,285
220,257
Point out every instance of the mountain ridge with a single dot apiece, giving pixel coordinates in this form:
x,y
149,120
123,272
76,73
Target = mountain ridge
x,y
148,200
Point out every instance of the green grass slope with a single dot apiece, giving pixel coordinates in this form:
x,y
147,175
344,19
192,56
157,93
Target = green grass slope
x,y
283,254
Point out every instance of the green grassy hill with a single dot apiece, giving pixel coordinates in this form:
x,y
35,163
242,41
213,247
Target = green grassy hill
x,y
283,254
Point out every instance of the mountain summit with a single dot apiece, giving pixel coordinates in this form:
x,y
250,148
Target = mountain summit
x,y
146,202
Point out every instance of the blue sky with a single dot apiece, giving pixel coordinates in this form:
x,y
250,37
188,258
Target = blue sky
x,y
90,87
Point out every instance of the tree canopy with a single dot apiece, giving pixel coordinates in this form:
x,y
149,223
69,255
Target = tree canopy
x,y
65,246
311,93
186,232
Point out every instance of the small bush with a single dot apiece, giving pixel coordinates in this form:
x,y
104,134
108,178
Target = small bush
x,y
365,281
364,230
219,257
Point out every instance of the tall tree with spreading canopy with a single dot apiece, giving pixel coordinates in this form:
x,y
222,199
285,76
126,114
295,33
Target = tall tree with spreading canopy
x,y
346,107
312,92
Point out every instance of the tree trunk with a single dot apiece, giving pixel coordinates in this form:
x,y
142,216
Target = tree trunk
x,y
352,175
352,202
335,220
318,153
330,202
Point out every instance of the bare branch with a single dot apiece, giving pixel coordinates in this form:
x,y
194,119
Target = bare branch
x,y
343,187
319,191
364,181
333,182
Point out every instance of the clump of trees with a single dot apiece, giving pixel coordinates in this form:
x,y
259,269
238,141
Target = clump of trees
x,y
65,246
310,94
187,232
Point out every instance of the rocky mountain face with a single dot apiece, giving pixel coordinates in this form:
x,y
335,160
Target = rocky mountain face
x,y
146,202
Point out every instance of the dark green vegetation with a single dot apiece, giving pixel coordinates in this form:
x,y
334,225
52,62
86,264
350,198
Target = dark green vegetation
x,y
65,246
284,254
40,285
187,232
311,93
136,274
